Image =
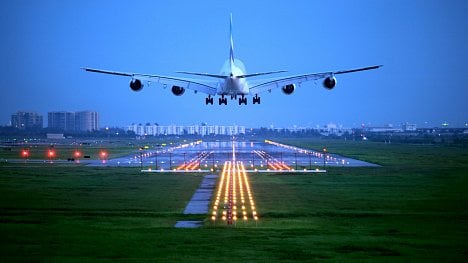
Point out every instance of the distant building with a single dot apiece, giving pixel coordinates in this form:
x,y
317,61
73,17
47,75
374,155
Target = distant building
x,y
61,120
26,120
73,121
55,136
202,130
385,129
409,127
86,121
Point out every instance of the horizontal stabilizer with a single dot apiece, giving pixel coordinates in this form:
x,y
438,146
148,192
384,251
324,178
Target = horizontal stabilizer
x,y
261,74
203,74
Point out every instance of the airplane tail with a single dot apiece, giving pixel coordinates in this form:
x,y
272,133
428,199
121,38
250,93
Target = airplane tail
x,y
231,48
230,65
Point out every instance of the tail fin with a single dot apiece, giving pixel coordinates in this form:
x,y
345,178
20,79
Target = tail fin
x,y
231,48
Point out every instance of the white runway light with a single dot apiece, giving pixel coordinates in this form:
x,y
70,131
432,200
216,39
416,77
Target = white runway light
x,y
238,202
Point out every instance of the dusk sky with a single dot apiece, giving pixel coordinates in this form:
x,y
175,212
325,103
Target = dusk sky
x,y
423,46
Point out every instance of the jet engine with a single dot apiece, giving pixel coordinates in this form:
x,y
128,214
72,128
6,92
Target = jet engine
x,y
288,89
178,91
136,85
329,82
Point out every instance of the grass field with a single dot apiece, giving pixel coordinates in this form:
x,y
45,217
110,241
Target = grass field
x,y
63,152
92,148
413,208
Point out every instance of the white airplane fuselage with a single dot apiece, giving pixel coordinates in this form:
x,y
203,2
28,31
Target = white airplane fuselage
x,y
232,85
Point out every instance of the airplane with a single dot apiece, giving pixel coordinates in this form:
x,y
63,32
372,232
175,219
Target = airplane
x,y
231,81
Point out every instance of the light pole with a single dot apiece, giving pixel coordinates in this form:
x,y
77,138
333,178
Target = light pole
x,y
324,155
253,160
212,161
295,159
170,160
156,155
141,158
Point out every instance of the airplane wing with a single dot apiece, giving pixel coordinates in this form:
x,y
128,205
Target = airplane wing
x,y
196,86
299,79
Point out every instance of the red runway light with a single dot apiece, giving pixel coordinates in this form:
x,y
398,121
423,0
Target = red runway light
x,y
103,154
25,153
51,153
77,154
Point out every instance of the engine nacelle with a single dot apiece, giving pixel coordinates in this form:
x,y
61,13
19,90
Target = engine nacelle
x,y
136,85
178,91
288,89
329,82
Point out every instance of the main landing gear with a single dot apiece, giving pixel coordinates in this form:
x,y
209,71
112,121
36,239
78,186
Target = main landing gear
x,y
243,100
209,100
222,100
255,99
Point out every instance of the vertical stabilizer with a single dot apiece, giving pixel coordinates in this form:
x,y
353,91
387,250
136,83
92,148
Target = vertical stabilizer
x,y
231,48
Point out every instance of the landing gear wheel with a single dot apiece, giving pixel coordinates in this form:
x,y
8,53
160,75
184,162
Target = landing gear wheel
x,y
256,99
209,100
243,100
222,100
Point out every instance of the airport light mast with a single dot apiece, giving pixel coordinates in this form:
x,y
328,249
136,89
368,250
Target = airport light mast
x,y
156,161
295,159
141,158
324,156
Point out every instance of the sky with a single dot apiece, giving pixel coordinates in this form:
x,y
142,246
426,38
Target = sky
x,y
421,43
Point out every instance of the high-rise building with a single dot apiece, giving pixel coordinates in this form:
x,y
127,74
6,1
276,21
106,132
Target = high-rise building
x,y
61,120
26,120
73,121
86,121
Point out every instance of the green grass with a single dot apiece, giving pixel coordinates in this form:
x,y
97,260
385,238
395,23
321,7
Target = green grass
x,y
413,208
394,154
63,152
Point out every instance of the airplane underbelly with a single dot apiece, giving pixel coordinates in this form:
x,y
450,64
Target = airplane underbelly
x,y
234,87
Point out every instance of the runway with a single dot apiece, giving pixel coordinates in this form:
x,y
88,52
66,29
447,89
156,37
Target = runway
x,y
257,156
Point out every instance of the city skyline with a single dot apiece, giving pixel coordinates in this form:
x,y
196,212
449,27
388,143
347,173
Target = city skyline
x,y
84,120
158,123
421,45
